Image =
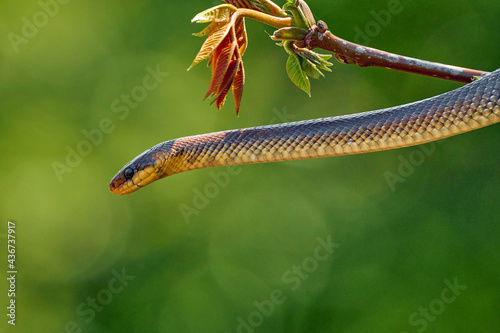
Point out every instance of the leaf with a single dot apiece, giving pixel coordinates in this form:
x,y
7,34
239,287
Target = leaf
x,y
221,100
226,82
260,6
239,3
241,36
310,68
221,13
297,74
289,33
224,47
264,6
325,56
211,44
237,87
319,60
208,30
221,64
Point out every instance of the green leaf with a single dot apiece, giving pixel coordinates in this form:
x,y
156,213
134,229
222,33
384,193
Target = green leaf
x,y
320,60
302,15
289,33
297,74
310,68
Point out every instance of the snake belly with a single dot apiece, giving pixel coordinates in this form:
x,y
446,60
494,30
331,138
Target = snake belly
x,y
469,107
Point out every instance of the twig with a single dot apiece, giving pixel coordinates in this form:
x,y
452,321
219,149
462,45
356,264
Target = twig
x,y
351,53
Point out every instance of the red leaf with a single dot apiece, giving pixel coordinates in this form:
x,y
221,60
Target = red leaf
x,y
240,4
241,35
221,63
211,43
238,82
226,82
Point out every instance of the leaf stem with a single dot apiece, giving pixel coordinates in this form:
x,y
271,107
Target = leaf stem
x,y
276,22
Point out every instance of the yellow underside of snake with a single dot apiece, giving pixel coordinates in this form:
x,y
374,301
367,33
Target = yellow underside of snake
x,y
472,106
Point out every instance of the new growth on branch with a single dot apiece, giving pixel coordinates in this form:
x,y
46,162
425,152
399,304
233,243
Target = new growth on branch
x,y
299,34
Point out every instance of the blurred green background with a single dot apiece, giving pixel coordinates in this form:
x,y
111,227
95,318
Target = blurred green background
x,y
248,255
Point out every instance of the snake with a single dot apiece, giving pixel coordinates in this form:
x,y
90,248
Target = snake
x,y
472,106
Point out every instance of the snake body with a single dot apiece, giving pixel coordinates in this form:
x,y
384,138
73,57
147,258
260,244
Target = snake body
x,y
469,107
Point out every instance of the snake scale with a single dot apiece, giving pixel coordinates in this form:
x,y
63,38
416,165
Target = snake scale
x,y
469,107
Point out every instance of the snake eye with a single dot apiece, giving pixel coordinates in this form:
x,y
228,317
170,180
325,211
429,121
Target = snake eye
x,y
128,173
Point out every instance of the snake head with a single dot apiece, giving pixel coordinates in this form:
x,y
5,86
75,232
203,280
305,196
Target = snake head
x,y
140,172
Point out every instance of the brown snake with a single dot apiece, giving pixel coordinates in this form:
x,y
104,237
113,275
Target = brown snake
x,y
472,106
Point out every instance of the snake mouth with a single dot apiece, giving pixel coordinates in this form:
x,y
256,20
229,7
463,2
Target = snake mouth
x,y
146,168
140,172
128,180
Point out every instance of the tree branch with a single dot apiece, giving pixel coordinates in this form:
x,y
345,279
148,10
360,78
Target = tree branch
x,y
351,53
